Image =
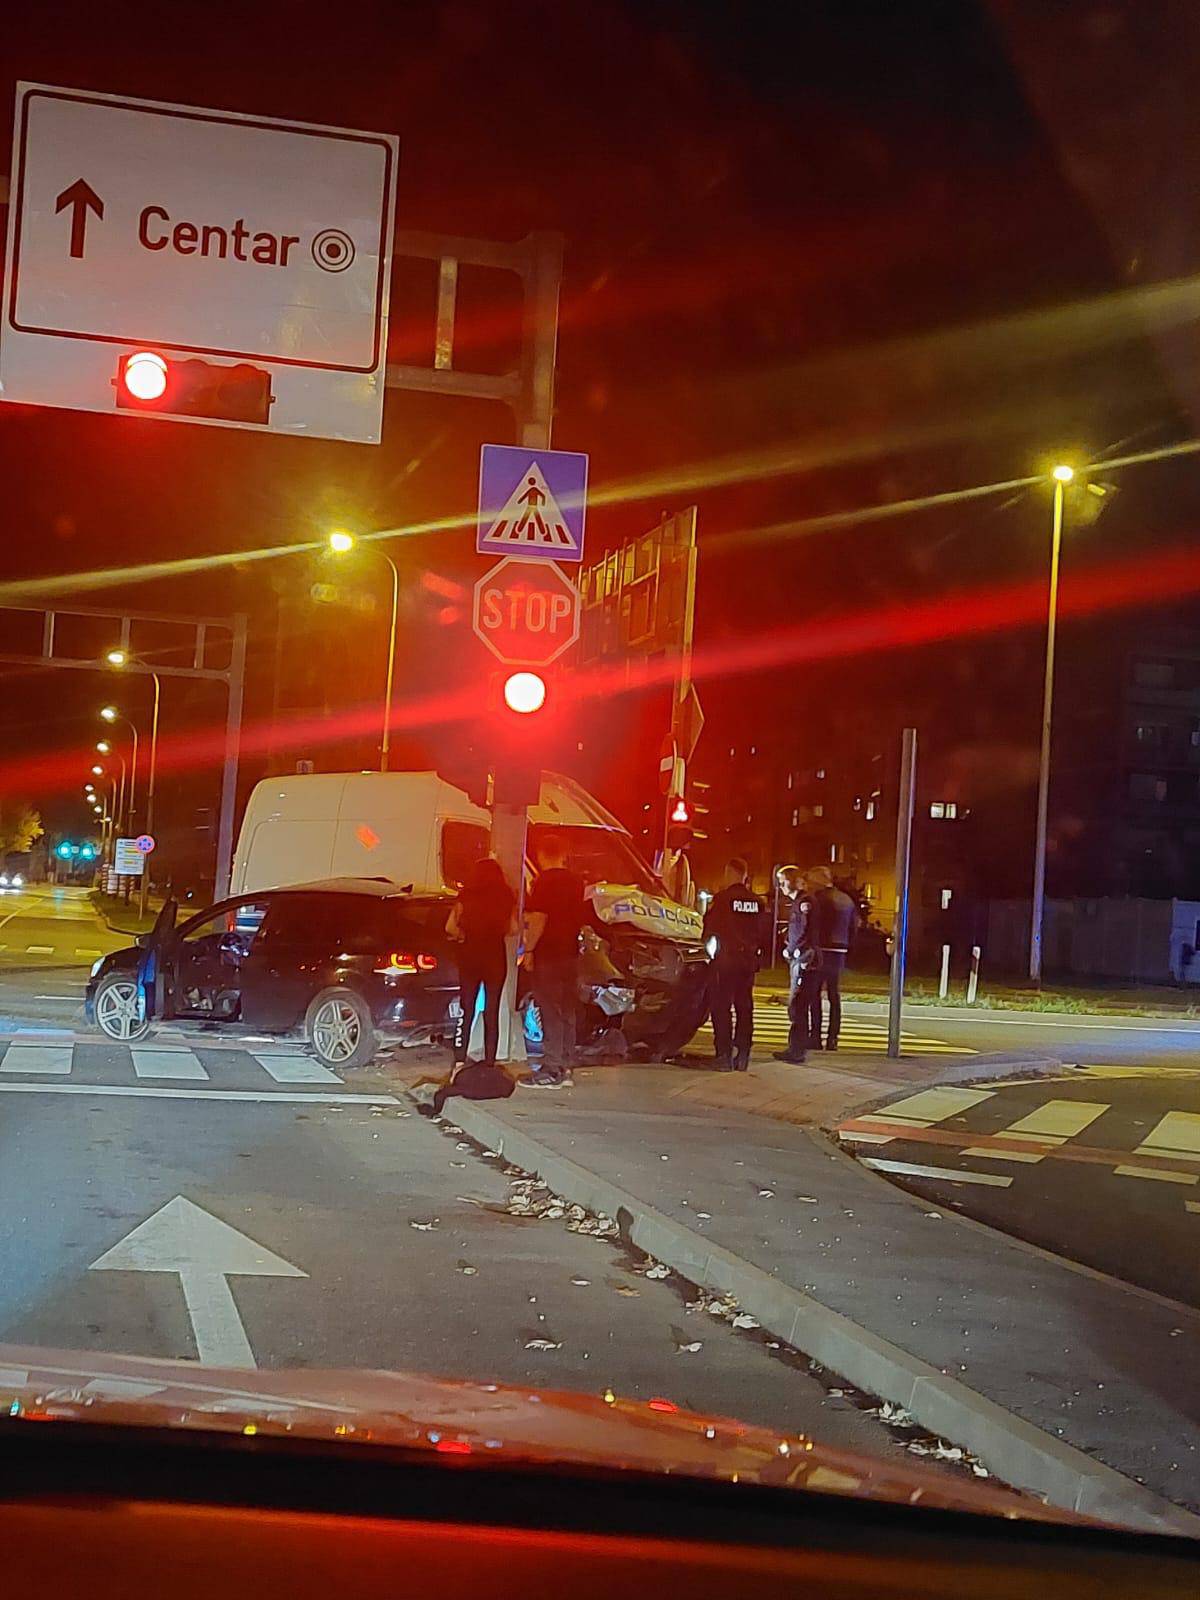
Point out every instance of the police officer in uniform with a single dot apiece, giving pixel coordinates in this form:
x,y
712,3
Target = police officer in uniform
x,y
737,924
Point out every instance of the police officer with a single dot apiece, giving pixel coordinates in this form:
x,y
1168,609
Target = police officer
x,y
736,926
800,957
834,920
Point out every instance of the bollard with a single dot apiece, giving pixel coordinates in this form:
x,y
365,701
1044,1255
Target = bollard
x,y
944,980
973,980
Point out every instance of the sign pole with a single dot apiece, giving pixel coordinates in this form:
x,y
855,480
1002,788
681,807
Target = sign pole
x,y
233,729
904,818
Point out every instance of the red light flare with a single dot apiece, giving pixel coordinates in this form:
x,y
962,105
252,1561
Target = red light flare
x,y
963,613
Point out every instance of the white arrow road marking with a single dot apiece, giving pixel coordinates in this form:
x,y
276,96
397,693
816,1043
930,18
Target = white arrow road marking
x,y
205,1252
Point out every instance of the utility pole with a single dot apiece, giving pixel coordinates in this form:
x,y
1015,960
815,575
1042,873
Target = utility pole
x,y
904,820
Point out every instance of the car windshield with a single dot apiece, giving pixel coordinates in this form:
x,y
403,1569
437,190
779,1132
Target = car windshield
x,y
598,855
748,456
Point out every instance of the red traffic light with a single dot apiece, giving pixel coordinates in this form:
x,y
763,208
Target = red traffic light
x,y
149,382
681,811
524,692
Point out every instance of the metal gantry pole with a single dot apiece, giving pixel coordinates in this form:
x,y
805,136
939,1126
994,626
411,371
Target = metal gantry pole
x,y
1038,905
904,819
229,775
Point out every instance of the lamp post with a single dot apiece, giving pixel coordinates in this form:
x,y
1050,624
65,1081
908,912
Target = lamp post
x,y
340,544
1062,476
111,714
120,658
104,747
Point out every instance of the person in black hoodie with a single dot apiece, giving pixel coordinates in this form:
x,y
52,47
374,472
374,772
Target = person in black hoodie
x,y
736,926
834,919
801,958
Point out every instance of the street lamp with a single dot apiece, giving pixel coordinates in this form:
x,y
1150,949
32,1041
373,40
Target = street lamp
x,y
1062,475
342,543
121,658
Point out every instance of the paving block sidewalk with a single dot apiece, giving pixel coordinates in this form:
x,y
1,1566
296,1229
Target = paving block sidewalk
x,y
1062,1381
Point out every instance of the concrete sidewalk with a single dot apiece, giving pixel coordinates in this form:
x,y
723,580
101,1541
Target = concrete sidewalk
x,y
1063,1382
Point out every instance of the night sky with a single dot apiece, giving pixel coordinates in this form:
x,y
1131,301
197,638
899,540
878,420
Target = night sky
x,y
831,255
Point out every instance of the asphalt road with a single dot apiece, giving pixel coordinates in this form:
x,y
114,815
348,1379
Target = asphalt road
x,y
49,936
217,1203
1101,1165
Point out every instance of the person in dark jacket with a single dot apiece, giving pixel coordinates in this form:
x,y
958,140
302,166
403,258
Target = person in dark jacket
x,y
481,920
800,956
834,918
554,915
737,928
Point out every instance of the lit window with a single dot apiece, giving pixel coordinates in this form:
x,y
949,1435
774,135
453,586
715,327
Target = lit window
x,y
858,802
818,811
796,818
837,853
937,808
753,749
789,780
868,891
820,772
870,811
947,896
869,853
951,809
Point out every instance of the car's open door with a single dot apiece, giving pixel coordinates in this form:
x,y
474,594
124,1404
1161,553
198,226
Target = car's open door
x,y
154,967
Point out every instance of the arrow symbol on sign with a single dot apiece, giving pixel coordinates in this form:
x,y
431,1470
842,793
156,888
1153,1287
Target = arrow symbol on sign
x,y
82,198
205,1252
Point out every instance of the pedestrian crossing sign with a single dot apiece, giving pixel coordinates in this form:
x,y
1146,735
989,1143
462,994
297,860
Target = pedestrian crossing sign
x,y
531,502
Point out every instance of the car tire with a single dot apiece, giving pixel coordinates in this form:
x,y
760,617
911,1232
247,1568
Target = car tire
x,y
120,1008
339,1027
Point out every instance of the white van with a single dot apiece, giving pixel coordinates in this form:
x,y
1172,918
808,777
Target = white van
x,y
418,831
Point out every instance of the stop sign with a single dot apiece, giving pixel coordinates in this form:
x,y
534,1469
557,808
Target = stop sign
x,y
526,612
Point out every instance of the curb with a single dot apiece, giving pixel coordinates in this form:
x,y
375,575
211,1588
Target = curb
x,y
1014,1450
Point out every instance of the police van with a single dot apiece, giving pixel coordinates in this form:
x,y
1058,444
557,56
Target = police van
x,y
644,967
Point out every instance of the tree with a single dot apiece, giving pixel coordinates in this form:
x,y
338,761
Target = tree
x,y
20,825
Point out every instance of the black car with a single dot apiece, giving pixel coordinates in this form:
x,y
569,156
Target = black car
x,y
346,961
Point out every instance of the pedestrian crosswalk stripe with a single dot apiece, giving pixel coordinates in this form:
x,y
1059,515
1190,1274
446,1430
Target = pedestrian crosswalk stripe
x,y
167,1064
1129,1171
295,1069
39,1058
920,1110
946,1174
771,1028
1174,1137
1050,1125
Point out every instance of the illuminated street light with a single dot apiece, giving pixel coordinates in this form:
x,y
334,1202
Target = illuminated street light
x,y
120,657
341,543
109,713
1062,475
103,746
99,771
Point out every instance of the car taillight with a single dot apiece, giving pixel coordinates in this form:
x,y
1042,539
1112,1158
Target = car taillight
x,y
405,961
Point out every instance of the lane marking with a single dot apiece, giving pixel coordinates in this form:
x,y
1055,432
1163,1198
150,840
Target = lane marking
x,y
1086,1155
1191,1205
1185,1025
39,949
1156,1172
253,1096
295,1069
167,1064
182,1238
91,955
30,1058
1051,1124
915,1111
992,1180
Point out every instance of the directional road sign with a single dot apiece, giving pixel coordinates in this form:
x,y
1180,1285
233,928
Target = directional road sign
x,y
210,239
526,612
531,502
128,859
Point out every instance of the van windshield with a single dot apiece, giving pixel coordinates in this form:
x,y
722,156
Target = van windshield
x,y
599,855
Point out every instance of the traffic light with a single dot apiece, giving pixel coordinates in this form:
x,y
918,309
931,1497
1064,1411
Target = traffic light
x,y
518,732
681,812
524,692
66,851
149,382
